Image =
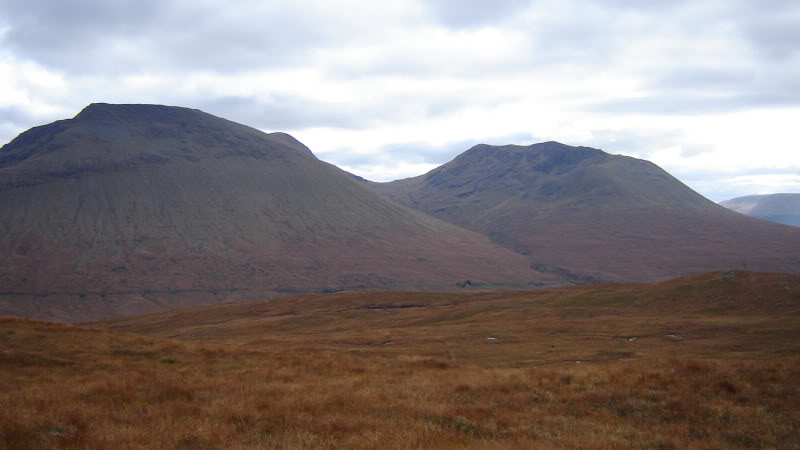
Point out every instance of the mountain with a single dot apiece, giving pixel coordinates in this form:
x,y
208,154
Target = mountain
x,y
586,215
781,208
133,208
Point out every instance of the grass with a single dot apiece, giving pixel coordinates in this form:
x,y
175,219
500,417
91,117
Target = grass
x,y
334,375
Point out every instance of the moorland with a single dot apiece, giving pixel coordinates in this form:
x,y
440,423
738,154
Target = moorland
x,y
708,361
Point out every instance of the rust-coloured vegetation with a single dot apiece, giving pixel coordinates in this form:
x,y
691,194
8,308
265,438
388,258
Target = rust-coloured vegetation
x,y
705,362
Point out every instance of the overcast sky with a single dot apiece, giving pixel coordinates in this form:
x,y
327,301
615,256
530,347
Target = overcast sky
x,y
709,90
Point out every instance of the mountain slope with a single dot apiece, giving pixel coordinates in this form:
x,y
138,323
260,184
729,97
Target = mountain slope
x,y
780,208
586,215
133,208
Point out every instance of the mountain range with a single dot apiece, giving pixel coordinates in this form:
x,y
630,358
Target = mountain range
x,y
780,208
128,209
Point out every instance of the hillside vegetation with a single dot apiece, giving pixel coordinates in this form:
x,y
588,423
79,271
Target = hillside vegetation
x,y
703,362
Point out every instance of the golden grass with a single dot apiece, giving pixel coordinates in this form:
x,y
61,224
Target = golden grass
x,y
339,373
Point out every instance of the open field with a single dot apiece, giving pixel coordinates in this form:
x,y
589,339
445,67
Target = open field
x,y
703,362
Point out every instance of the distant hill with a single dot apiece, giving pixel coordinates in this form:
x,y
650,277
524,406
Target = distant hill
x,y
780,208
586,215
133,208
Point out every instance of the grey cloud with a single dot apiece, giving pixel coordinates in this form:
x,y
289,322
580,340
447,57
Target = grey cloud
x,y
646,5
409,152
755,171
698,90
580,34
287,112
14,115
599,37
722,186
643,143
97,36
8,132
15,119
700,103
473,13
631,141
419,152
585,32
704,77
283,112
102,38
712,188
689,151
470,13
773,28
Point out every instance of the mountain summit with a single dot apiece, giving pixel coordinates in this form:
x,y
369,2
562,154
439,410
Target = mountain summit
x,y
589,215
133,208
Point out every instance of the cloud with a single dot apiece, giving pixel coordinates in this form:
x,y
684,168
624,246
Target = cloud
x,y
283,112
471,13
720,187
689,151
97,36
683,104
416,157
14,115
389,88
704,78
701,90
640,143
772,28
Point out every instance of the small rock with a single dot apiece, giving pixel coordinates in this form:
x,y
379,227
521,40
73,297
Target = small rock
x,y
632,338
492,338
729,275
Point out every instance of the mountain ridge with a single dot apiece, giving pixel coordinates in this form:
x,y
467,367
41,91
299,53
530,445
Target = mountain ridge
x,y
128,209
133,208
581,210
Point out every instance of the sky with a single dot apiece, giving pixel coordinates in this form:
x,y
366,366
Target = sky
x,y
709,90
